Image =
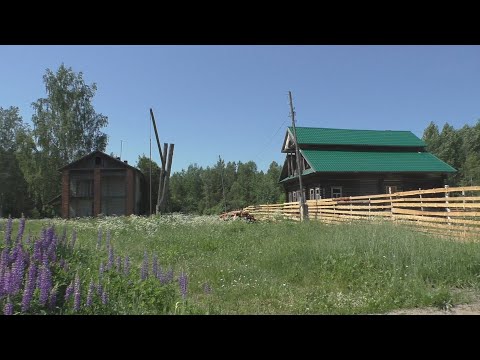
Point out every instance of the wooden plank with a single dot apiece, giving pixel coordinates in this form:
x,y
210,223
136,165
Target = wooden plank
x,y
355,207
438,199
438,190
438,219
440,205
373,213
396,210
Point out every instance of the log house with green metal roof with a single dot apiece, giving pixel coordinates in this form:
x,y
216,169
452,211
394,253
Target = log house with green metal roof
x,y
343,162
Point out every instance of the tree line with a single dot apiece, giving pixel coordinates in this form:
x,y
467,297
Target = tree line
x,y
459,148
65,126
218,188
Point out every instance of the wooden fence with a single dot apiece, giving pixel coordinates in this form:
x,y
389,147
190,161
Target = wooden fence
x,y
442,211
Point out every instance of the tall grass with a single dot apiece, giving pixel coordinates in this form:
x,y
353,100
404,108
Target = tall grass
x,y
278,268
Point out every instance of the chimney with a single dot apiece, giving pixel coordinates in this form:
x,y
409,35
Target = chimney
x,y
125,161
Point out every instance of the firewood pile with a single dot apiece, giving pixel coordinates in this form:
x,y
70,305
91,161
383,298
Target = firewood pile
x,y
238,214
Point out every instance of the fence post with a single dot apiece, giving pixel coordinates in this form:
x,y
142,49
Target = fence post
x,y
464,228
446,202
421,202
391,203
351,210
369,204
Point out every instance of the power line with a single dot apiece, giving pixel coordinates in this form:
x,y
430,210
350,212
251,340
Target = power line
x,y
258,157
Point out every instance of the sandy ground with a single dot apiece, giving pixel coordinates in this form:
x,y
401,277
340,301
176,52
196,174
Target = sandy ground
x,y
472,308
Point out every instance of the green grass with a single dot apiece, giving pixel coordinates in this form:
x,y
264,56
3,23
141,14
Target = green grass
x,y
283,267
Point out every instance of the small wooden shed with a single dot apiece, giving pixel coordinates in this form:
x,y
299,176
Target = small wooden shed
x,y
101,184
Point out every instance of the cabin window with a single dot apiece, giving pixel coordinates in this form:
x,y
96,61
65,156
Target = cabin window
x,y
98,160
312,194
294,196
290,197
317,193
336,191
392,188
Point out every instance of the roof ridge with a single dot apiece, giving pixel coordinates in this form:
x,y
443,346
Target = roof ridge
x,y
324,128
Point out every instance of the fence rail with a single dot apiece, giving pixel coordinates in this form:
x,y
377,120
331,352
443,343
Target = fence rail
x,y
441,211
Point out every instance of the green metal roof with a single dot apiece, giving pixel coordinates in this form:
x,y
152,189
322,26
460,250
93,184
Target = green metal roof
x,y
374,161
324,136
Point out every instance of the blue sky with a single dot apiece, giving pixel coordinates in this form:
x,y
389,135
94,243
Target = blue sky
x,y
232,100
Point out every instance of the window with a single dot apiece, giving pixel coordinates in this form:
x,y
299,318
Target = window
x,y
294,196
312,194
290,197
392,188
98,160
317,193
336,191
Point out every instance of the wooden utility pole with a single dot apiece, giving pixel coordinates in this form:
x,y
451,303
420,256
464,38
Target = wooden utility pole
x,y
303,210
223,186
150,173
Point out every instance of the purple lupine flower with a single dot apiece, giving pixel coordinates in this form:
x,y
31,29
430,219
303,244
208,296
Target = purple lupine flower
x,y
99,240
91,290
18,269
99,289
37,251
126,266
74,239
7,282
2,280
101,270
53,299
45,283
183,281
144,272
8,232
8,309
207,289
155,266
104,297
69,291
118,265
51,249
111,258
21,229
49,237
77,294
29,287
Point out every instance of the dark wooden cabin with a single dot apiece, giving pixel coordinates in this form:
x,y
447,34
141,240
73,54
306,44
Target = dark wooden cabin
x,y
100,184
342,162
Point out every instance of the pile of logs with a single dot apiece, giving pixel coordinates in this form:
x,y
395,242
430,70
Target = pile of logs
x,y
237,214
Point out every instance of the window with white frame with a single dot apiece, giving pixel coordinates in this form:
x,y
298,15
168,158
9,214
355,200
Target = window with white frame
x,y
294,196
336,191
392,188
312,194
290,196
317,193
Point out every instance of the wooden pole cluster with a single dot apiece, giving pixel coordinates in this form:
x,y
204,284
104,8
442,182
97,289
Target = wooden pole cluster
x,y
303,207
166,157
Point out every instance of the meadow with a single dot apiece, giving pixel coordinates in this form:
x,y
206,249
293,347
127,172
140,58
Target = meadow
x,y
180,264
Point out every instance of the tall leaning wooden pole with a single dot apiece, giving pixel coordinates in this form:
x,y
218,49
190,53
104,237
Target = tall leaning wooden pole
x,y
303,210
166,158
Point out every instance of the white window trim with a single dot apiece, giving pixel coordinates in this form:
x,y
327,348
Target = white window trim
x,y
294,196
337,188
318,194
312,194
